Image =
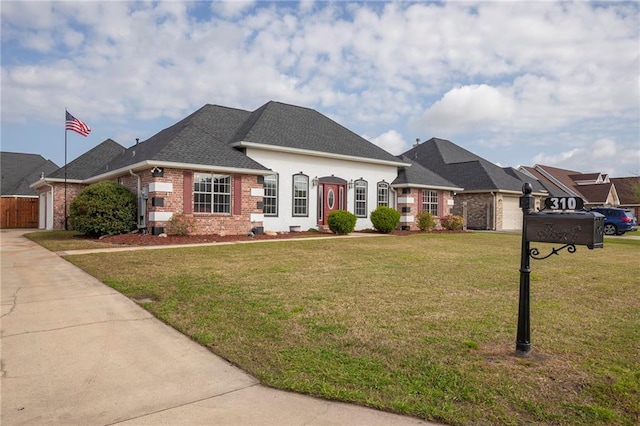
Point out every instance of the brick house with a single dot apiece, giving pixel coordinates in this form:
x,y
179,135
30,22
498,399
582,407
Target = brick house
x,y
490,196
278,168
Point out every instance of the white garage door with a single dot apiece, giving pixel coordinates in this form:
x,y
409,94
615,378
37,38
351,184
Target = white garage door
x,y
511,213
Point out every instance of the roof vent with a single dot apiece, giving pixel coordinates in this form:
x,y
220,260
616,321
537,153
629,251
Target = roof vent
x,y
417,142
137,140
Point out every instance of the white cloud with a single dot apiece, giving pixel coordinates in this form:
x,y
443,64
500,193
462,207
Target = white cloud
x,y
390,141
464,108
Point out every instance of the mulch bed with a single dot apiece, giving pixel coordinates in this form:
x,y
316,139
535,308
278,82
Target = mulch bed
x,y
135,239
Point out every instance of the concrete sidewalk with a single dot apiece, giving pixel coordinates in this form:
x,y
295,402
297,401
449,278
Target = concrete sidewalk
x,y
76,352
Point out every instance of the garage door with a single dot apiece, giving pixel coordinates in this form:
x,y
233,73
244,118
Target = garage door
x,y
511,213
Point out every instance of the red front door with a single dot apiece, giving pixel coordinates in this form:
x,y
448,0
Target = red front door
x,y
332,197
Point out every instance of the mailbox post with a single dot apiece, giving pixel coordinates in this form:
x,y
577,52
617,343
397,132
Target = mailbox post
x,y
559,227
523,340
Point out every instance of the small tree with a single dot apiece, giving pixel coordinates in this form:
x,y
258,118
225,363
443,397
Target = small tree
x,y
341,222
104,208
452,222
426,221
182,224
385,219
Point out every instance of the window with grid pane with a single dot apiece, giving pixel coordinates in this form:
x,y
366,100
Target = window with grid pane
x,y
300,195
383,194
211,193
430,202
360,208
271,195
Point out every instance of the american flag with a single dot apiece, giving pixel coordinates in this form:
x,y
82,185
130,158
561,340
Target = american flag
x,y
76,125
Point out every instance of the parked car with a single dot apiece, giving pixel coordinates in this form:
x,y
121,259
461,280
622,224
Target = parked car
x,y
617,221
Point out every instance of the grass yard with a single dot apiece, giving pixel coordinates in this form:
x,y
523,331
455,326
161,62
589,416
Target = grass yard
x,y
422,325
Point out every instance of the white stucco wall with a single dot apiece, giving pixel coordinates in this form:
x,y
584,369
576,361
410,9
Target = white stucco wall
x,y
286,165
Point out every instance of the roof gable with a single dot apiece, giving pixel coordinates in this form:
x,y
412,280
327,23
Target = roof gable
x,y
19,170
628,189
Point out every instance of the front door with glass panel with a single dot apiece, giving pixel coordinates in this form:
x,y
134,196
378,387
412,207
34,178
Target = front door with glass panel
x,y
331,197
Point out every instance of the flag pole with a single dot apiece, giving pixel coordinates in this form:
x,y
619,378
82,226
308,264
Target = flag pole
x,y
66,226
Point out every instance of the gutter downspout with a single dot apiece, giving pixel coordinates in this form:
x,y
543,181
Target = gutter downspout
x,y
139,196
52,202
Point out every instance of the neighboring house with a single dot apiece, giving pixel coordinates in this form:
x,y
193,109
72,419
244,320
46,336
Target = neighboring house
x,y
628,189
595,189
19,203
490,198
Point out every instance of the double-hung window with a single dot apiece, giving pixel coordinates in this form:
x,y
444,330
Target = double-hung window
x,y
430,202
360,208
271,195
300,195
211,193
383,194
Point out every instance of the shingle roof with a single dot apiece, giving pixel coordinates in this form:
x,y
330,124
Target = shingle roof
x,y
290,126
554,190
201,138
563,180
20,170
418,175
596,193
91,163
465,169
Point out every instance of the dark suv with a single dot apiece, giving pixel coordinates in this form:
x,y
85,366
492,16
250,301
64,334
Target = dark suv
x,y
616,221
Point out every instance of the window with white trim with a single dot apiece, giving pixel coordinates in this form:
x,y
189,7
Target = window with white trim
x,y
430,202
211,193
383,194
271,195
360,198
300,195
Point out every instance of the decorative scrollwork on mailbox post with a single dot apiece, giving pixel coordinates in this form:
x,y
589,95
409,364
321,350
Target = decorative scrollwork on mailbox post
x,y
556,227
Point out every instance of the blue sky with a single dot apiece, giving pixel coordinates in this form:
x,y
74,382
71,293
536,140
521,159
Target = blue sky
x,y
518,83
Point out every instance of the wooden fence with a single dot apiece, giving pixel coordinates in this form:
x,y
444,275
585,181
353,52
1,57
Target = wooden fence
x,y
19,212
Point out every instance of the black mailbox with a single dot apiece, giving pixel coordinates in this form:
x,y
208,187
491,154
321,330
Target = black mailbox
x,y
578,228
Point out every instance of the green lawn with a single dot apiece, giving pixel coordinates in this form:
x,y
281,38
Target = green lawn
x,y
422,325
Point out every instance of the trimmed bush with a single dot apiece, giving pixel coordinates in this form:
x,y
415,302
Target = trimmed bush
x,y
385,219
182,224
426,221
104,208
341,222
452,222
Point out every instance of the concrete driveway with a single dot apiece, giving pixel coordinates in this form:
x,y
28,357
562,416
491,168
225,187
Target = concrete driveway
x,y
76,352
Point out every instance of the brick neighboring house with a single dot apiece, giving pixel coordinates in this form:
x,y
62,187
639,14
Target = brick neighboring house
x,y
19,207
595,189
490,198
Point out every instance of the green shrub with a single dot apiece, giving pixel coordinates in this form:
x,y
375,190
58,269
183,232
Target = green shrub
x,y
426,221
341,222
104,208
181,224
385,219
452,222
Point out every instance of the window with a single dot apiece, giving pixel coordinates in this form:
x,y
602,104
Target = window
x,y
211,193
300,195
271,195
383,194
430,202
360,187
